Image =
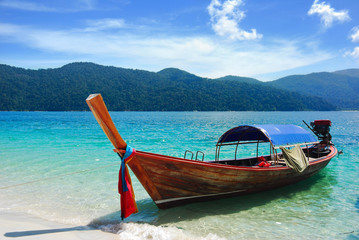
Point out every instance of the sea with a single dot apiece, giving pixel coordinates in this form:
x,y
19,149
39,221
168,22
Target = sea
x,y
61,167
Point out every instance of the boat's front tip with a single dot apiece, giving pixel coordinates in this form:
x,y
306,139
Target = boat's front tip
x,y
91,96
99,110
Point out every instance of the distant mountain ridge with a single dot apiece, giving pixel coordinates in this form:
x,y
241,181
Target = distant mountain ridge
x,y
175,74
354,72
171,89
340,88
240,79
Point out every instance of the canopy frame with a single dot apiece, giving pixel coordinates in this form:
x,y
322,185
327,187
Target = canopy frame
x,y
251,134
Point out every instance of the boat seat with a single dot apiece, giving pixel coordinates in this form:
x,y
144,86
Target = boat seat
x,y
279,161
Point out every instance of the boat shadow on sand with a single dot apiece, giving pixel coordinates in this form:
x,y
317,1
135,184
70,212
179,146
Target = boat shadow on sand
x,y
45,231
319,186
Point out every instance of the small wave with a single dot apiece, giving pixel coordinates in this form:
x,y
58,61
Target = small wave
x,y
135,231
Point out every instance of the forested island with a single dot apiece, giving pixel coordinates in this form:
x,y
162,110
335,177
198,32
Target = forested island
x,y
66,88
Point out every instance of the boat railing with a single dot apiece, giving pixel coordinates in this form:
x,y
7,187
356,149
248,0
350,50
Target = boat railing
x,y
202,153
185,154
197,153
236,143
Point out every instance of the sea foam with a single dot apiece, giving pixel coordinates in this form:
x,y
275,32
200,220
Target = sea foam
x,y
136,231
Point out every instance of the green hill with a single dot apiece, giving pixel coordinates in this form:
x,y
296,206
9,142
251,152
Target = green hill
x,y
349,72
340,88
66,88
240,79
174,74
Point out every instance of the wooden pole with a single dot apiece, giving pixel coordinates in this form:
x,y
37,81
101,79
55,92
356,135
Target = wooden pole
x,y
99,110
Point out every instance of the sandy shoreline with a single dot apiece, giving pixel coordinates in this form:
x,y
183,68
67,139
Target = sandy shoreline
x,y
22,226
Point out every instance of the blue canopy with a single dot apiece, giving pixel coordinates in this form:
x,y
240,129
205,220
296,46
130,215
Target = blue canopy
x,y
276,134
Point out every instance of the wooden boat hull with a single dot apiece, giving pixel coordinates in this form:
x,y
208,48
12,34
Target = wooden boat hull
x,y
174,181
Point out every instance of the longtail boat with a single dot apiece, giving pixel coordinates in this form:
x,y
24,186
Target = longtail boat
x,y
293,155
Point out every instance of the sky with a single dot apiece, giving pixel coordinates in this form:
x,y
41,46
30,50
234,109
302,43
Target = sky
x,y
263,39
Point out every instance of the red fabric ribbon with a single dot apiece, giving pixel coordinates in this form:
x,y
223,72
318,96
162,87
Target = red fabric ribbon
x,y
128,202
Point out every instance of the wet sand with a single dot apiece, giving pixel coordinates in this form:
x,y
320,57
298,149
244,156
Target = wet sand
x,y
15,225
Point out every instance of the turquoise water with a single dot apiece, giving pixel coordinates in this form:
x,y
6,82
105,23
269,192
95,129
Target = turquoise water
x,y
53,145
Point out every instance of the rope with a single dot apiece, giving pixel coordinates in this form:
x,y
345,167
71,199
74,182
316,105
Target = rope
x,y
58,176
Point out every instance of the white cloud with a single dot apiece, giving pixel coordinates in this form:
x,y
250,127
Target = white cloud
x,y
355,34
225,18
105,24
327,14
354,38
28,6
49,6
85,4
197,54
353,54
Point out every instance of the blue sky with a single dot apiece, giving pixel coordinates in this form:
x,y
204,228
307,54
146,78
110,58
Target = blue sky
x,y
210,38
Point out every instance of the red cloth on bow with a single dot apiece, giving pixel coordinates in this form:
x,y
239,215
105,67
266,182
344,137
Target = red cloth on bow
x,y
128,202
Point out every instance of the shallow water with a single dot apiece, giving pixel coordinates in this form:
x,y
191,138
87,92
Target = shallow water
x,y
56,148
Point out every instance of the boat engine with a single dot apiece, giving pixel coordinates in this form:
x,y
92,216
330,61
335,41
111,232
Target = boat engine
x,y
321,128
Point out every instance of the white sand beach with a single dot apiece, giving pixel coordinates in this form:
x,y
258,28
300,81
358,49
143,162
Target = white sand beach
x,y
26,227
